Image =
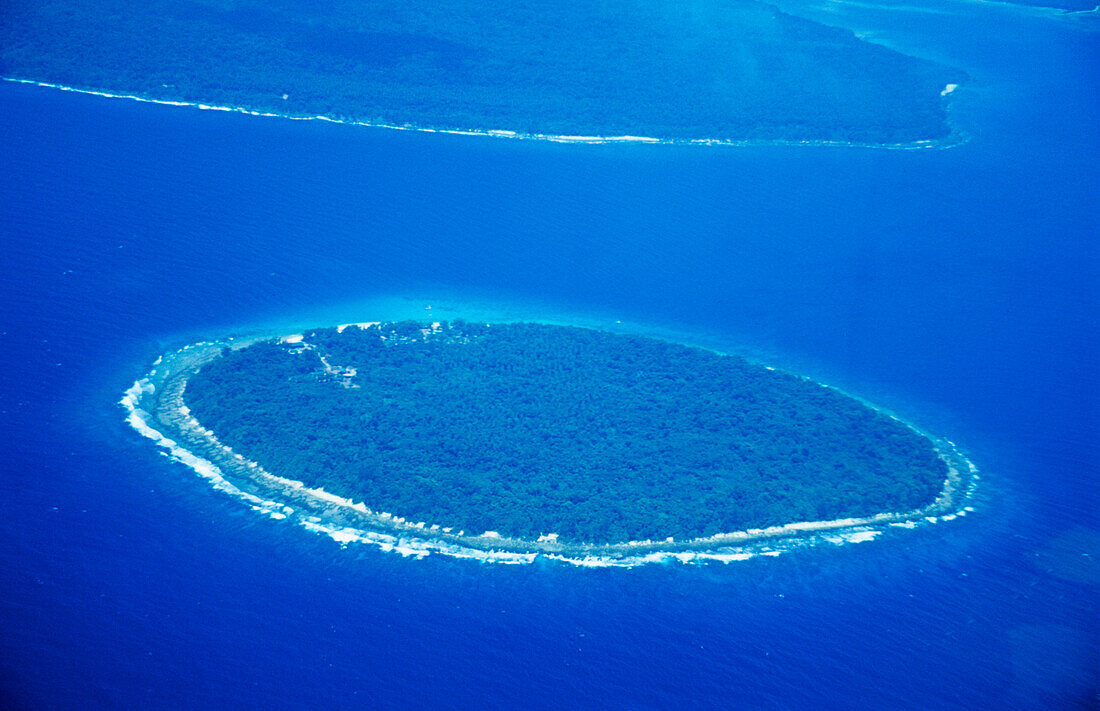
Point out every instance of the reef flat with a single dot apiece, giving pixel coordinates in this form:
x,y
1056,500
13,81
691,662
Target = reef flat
x,y
536,438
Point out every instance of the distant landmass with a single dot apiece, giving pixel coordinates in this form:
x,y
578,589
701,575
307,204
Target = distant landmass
x,y
731,71
555,434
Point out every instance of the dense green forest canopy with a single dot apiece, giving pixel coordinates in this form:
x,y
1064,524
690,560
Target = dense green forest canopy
x,y
528,429
734,70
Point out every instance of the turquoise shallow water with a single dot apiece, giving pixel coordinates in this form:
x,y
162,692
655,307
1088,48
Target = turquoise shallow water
x,y
957,288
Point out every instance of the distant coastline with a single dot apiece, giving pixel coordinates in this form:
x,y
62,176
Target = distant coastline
x,y
739,73
952,140
156,409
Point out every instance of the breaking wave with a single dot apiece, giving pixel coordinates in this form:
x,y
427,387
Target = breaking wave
x,y
954,139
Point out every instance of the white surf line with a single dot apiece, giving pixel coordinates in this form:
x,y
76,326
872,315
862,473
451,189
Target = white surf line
x,y
139,420
427,538
953,140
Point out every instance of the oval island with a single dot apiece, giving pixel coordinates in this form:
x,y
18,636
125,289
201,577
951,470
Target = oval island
x,y
534,438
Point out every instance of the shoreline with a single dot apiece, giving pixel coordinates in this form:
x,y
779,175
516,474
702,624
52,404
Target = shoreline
x,y
157,410
954,139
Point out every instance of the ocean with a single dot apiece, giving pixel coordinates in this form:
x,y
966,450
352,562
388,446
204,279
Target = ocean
x,y
956,288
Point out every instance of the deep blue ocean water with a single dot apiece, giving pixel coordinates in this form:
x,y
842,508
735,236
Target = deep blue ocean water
x,y
956,287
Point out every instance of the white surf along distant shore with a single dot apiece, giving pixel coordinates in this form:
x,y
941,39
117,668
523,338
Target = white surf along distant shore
x,y
954,139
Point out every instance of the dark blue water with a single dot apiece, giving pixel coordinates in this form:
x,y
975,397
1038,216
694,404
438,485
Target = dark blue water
x,y
958,288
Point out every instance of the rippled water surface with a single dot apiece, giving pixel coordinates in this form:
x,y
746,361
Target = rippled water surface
x,y
957,288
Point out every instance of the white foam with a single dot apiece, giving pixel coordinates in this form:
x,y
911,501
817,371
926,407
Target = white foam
x,y
139,420
344,535
860,536
727,557
602,139
950,142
